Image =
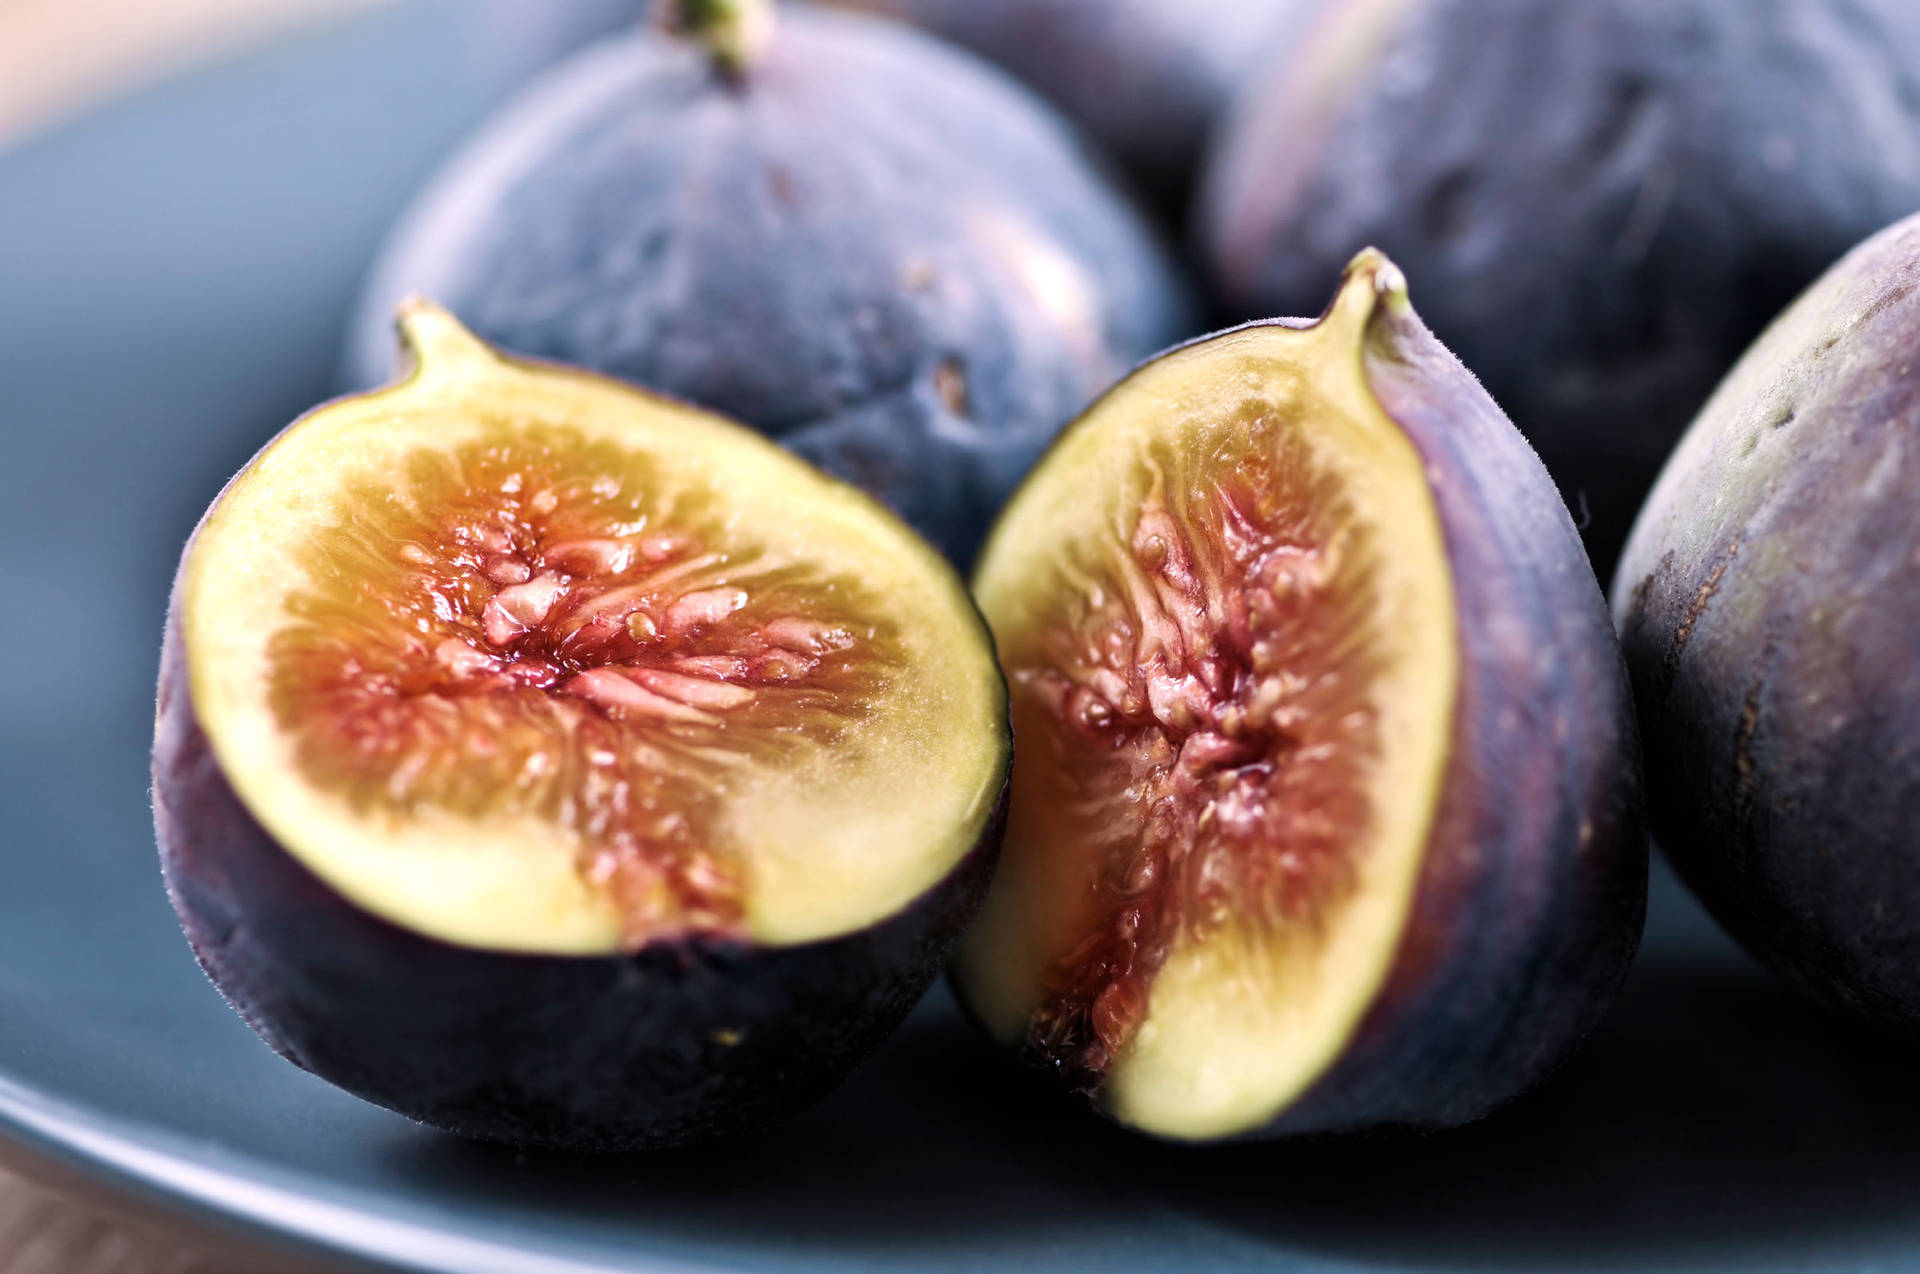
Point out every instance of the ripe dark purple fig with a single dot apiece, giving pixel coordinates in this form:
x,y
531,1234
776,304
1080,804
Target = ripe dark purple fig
x,y
560,765
1326,813
1604,201
1766,603
832,228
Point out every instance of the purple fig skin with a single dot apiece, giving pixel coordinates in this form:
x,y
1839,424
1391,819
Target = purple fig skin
x,y
680,1041
1603,200
1532,896
867,245
1146,79
1766,604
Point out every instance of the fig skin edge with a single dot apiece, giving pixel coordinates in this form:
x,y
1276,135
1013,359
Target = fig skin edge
x,y
683,1040
1537,860
1531,896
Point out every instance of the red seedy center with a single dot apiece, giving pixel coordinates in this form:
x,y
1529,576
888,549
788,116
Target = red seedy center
x,y
540,624
1200,693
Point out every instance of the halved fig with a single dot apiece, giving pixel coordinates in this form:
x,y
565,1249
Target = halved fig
x,y
1327,809
557,764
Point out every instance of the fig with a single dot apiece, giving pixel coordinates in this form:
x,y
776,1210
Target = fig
x,y
834,229
1146,79
1326,813
1606,201
558,765
1765,604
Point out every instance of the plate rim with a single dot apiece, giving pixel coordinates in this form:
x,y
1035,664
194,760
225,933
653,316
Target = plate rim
x,y
152,1169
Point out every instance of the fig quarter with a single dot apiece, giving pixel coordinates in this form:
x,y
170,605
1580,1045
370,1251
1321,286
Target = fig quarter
x,y
1326,813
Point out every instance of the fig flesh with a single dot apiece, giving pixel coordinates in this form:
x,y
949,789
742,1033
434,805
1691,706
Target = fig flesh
x,y
1766,603
1605,202
849,236
1326,811
556,764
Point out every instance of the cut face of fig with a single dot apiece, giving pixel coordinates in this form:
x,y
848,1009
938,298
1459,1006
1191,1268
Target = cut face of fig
x,y
1247,685
516,659
1233,676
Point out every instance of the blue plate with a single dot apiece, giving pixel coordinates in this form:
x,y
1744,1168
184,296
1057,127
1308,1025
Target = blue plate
x,y
175,274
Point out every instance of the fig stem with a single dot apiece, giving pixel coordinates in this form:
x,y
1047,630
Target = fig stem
x,y
435,340
735,32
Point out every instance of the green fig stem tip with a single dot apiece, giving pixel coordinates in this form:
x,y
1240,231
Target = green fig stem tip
x,y
434,339
1372,269
735,32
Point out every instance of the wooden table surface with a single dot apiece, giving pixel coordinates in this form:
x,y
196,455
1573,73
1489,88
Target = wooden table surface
x,y
43,1233
56,58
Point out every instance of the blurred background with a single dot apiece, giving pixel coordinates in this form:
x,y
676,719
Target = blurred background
x,y
62,55
59,60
